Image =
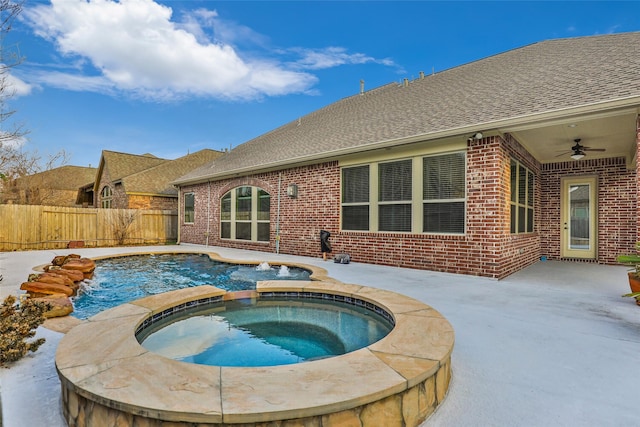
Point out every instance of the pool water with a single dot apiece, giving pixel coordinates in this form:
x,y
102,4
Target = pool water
x,y
122,279
265,333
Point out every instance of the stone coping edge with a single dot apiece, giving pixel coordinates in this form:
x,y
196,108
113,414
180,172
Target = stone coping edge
x,y
100,360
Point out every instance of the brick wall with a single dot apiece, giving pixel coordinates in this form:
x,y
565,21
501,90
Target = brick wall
x,y
487,249
118,196
519,250
105,179
637,183
617,212
479,252
301,219
135,201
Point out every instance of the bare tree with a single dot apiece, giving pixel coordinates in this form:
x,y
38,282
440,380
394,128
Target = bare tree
x,y
15,162
123,220
35,188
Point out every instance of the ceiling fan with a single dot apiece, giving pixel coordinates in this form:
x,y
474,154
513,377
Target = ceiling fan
x,y
578,150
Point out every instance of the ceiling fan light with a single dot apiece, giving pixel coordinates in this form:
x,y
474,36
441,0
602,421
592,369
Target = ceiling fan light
x,y
577,155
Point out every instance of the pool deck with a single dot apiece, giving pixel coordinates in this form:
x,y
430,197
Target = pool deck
x,y
554,344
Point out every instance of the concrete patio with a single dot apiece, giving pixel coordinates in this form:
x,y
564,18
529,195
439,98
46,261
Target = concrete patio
x,y
554,344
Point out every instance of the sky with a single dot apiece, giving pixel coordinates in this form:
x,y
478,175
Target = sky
x,y
173,77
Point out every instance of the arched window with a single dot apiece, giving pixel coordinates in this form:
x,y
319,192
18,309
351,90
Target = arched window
x,y
106,196
244,214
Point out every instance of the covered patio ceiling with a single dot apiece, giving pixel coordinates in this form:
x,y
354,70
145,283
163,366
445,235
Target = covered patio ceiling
x,y
551,141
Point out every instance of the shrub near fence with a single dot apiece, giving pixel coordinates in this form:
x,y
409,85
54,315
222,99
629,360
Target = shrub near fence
x,y
25,227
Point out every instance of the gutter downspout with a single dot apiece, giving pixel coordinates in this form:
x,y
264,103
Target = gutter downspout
x,y
178,216
278,215
208,215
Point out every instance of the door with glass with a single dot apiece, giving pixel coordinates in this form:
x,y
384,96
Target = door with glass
x,y
579,217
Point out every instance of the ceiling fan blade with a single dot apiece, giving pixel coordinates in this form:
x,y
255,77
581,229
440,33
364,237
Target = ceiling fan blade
x,y
593,149
564,154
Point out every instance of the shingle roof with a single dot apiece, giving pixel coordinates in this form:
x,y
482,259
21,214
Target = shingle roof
x,y
156,180
545,77
61,178
124,164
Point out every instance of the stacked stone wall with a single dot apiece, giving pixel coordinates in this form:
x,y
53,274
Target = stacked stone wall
x,y
407,409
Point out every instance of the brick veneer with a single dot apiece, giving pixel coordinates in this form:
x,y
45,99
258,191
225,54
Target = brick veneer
x,y
301,219
637,210
136,201
487,248
616,205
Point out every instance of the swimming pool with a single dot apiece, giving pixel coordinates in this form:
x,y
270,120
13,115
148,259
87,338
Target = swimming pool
x,y
122,279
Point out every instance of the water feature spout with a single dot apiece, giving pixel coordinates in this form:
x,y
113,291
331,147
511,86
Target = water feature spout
x,y
264,266
284,271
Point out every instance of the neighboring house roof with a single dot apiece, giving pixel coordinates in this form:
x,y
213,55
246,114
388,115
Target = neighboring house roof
x,y
156,180
61,178
147,174
532,83
124,164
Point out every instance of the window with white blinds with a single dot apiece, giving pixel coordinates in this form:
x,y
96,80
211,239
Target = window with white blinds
x,y
355,198
390,196
244,214
443,195
394,196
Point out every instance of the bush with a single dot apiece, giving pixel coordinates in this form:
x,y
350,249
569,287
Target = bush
x,y
17,324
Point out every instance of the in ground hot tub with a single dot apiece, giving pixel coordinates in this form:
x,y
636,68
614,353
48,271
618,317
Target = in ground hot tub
x,y
274,330
108,377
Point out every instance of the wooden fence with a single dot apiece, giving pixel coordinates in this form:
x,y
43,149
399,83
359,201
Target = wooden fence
x,y
25,227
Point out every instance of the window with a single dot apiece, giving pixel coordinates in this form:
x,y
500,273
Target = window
x,y
245,213
421,194
522,180
443,193
189,208
355,198
225,216
394,196
264,211
106,196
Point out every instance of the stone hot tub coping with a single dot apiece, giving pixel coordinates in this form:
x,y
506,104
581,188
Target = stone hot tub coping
x,y
106,374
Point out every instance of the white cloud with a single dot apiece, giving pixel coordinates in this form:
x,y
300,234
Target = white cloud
x,y
16,86
316,59
138,48
75,82
134,47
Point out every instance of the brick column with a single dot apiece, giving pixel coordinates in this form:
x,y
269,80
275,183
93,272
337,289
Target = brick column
x,y
485,203
637,179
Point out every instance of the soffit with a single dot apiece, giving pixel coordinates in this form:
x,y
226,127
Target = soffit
x,y
551,142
